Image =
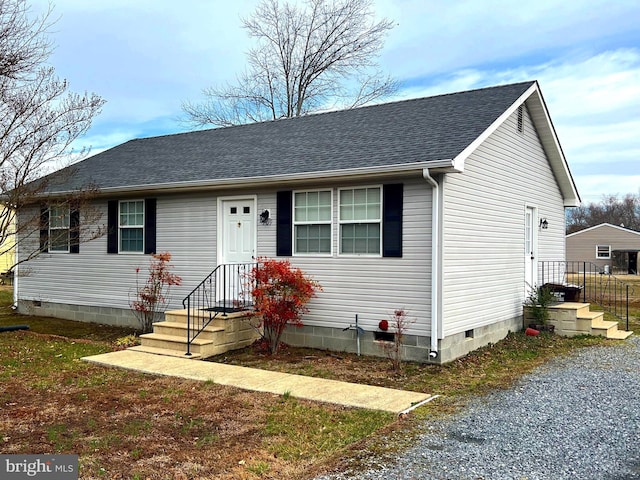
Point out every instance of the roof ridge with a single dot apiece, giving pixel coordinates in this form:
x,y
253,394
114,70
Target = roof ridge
x,y
393,134
343,110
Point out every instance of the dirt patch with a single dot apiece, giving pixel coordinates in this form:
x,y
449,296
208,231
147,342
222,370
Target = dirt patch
x,y
157,428
127,425
135,426
346,367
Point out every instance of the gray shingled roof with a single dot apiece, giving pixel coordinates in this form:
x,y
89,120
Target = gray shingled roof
x,y
420,130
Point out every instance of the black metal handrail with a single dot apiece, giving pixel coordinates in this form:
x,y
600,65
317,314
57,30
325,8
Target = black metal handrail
x,y
597,285
226,289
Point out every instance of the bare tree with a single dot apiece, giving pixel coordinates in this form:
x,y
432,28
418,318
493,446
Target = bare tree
x,y
321,55
39,121
624,212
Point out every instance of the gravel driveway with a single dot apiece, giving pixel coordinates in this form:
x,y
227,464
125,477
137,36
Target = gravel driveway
x,y
577,417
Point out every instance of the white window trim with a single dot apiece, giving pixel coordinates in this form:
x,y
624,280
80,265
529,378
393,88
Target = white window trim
x,y
49,249
120,227
343,222
295,223
608,255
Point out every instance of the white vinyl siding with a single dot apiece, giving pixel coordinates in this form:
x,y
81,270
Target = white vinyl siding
x,y
96,278
372,287
484,226
59,219
482,237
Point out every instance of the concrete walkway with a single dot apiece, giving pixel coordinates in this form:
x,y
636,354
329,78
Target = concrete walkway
x,y
310,388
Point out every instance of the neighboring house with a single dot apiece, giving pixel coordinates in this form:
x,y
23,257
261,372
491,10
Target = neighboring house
x,y
608,246
435,205
7,253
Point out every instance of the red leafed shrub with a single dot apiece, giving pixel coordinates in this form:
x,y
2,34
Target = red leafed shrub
x,y
400,323
280,294
151,298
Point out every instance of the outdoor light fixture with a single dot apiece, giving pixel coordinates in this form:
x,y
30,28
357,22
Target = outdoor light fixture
x,y
264,218
544,224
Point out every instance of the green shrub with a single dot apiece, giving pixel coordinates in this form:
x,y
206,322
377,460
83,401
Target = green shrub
x,y
538,302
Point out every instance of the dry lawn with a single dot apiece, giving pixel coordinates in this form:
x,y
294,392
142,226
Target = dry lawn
x,y
133,426
126,425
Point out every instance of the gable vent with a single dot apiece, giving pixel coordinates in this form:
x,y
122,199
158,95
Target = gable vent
x,y
521,119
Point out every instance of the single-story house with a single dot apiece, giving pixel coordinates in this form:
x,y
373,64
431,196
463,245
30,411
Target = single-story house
x,y
442,206
610,247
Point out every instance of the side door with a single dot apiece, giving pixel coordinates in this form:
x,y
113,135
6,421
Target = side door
x,y
530,250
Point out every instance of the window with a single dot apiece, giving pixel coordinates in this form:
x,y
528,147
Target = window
x,y
360,221
369,220
603,251
59,228
312,222
131,226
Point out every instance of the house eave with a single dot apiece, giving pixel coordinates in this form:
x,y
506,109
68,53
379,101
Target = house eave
x,y
368,173
548,137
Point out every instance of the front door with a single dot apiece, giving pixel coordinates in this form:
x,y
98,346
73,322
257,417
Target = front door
x,y
530,250
237,248
238,231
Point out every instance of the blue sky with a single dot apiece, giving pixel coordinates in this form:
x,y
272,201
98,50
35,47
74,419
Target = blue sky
x,y
145,57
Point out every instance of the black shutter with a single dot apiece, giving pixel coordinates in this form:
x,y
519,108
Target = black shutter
x,y
44,228
112,226
150,225
284,227
392,220
74,230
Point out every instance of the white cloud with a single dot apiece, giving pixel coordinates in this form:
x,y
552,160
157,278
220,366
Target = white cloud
x,y
594,102
158,49
598,85
441,36
594,187
147,56
603,142
103,141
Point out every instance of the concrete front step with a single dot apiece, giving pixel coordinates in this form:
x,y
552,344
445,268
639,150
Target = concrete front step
x,y
609,330
219,320
591,316
574,318
164,351
603,328
570,310
178,344
224,333
179,329
619,335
